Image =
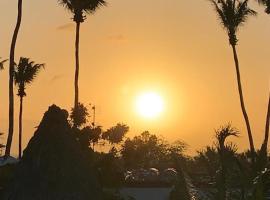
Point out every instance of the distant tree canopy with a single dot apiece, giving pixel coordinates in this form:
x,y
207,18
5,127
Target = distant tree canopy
x,y
116,133
90,135
79,116
149,151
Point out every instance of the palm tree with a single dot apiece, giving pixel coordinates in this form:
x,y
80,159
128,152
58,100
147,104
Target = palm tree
x,y
25,73
11,74
232,15
79,9
225,151
263,150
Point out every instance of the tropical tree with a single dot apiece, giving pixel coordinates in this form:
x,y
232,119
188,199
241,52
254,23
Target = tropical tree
x,y
24,74
11,79
91,135
116,133
79,9
263,150
233,14
79,116
225,151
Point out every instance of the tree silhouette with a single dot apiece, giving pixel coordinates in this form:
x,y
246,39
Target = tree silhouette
x,y
266,3
263,150
116,134
91,135
79,116
80,8
24,74
11,79
233,14
224,151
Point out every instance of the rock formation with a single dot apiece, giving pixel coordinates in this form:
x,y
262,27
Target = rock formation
x,y
53,166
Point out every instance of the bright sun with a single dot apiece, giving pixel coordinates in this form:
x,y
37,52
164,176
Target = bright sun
x,y
149,105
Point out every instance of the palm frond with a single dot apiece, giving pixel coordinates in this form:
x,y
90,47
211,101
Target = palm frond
x,y
25,73
224,132
87,6
232,14
2,64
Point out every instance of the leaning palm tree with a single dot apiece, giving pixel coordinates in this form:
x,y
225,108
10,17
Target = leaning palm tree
x,y
263,150
11,79
79,9
25,73
232,15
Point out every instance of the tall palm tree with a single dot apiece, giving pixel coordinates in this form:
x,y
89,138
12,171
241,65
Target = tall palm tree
x,y
263,149
232,15
24,74
11,79
79,9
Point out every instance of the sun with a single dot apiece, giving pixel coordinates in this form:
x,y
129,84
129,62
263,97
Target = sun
x,y
149,105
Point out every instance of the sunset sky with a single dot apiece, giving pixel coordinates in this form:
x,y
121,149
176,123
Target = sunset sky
x,y
175,48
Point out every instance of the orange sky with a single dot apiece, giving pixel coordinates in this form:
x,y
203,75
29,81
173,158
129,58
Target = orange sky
x,y
176,48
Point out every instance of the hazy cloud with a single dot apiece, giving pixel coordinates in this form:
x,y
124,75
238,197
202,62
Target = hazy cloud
x,y
66,27
117,37
56,77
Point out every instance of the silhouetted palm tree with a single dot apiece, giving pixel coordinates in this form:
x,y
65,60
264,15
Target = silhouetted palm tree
x,y
225,151
25,73
263,150
11,73
79,8
232,15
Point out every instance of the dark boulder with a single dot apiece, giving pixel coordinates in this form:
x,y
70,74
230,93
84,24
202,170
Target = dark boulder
x,y
53,166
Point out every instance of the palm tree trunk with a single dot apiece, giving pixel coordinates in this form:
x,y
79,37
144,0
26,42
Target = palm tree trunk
x,y
20,127
76,82
266,136
251,143
11,71
263,150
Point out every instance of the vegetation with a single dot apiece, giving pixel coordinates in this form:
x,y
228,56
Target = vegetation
x,y
11,78
232,15
24,74
62,159
79,9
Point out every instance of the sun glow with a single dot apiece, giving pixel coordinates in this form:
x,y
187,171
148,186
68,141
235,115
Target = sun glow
x,y
149,105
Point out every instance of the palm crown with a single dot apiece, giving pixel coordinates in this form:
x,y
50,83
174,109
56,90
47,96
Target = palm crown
x,y
25,72
232,14
78,7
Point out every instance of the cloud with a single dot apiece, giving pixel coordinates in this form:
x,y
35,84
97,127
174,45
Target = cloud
x,y
117,37
56,77
66,27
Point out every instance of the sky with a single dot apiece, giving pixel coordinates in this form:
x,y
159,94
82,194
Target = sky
x,y
176,48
